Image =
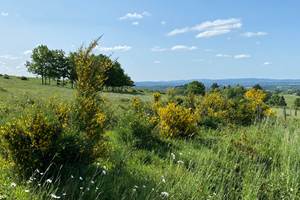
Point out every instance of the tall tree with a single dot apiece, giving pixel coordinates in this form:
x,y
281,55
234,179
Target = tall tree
x,y
40,62
195,87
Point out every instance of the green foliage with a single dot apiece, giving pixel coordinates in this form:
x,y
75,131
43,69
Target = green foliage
x,y
277,100
297,102
196,88
5,76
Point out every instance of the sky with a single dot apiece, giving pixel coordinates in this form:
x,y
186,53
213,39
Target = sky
x,y
161,40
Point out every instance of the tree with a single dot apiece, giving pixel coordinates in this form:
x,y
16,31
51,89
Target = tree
x,y
276,100
297,105
41,61
214,86
59,65
257,86
195,87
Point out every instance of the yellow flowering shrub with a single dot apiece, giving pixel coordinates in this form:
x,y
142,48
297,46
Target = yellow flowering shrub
x,y
136,103
257,97
156,97
214,106
175,120
31,139
91,72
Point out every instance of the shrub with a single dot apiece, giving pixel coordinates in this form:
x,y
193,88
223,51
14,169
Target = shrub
x,y
156,97
176,120
23,78
31,140
5,76
214,109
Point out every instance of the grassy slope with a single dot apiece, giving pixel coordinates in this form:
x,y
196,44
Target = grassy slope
x,y
261,161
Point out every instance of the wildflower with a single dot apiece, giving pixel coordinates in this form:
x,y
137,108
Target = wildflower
x,y
27,191
164,194
136,186
64,194
49,180
144,186
72,176
81,188
103,172
134,189
80,178
173,156
88,189
97,188
54,196
163,179
180,162
180,153
13,184
92,182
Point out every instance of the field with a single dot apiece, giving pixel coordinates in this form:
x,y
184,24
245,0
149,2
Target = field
x,y
260,161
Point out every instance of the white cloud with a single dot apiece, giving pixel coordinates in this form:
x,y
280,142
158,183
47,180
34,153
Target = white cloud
x,y
120,48
10,57
210,28
208,34
135,16
183,47
163,22
254,34
136,23
4,14
174,48
158,49
267,63
156,62
242,56
27,52
223,56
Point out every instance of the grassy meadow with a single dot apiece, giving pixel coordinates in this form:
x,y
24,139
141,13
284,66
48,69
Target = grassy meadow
x,y
259,161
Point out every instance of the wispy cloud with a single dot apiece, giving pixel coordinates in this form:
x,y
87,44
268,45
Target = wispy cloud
x,y
158,49
267,63
183,48
224,56
163,22
4,14
174,48
242,56
136,23
210,28
135,16
254,34
27,52
238,56
10,57
119,48
156,62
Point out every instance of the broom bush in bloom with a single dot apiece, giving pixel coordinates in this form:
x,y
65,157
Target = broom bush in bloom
x,y
176,121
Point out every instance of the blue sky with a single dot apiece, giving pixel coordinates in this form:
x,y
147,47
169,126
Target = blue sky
x,y
161,40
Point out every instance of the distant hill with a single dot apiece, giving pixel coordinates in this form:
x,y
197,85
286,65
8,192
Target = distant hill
x,y
247,82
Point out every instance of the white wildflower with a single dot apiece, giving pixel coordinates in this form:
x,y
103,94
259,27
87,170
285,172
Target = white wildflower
x,y
103,172
164,194
173,156
27,191
49,180
54,196
13,184
180,162
80,178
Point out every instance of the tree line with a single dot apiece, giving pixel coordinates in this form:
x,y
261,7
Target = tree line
x,y
57,65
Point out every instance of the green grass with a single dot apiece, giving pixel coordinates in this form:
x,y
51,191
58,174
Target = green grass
x,y
256,162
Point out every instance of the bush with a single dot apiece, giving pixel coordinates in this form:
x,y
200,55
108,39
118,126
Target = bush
x,y
31,140
5,76
23,78
176,121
